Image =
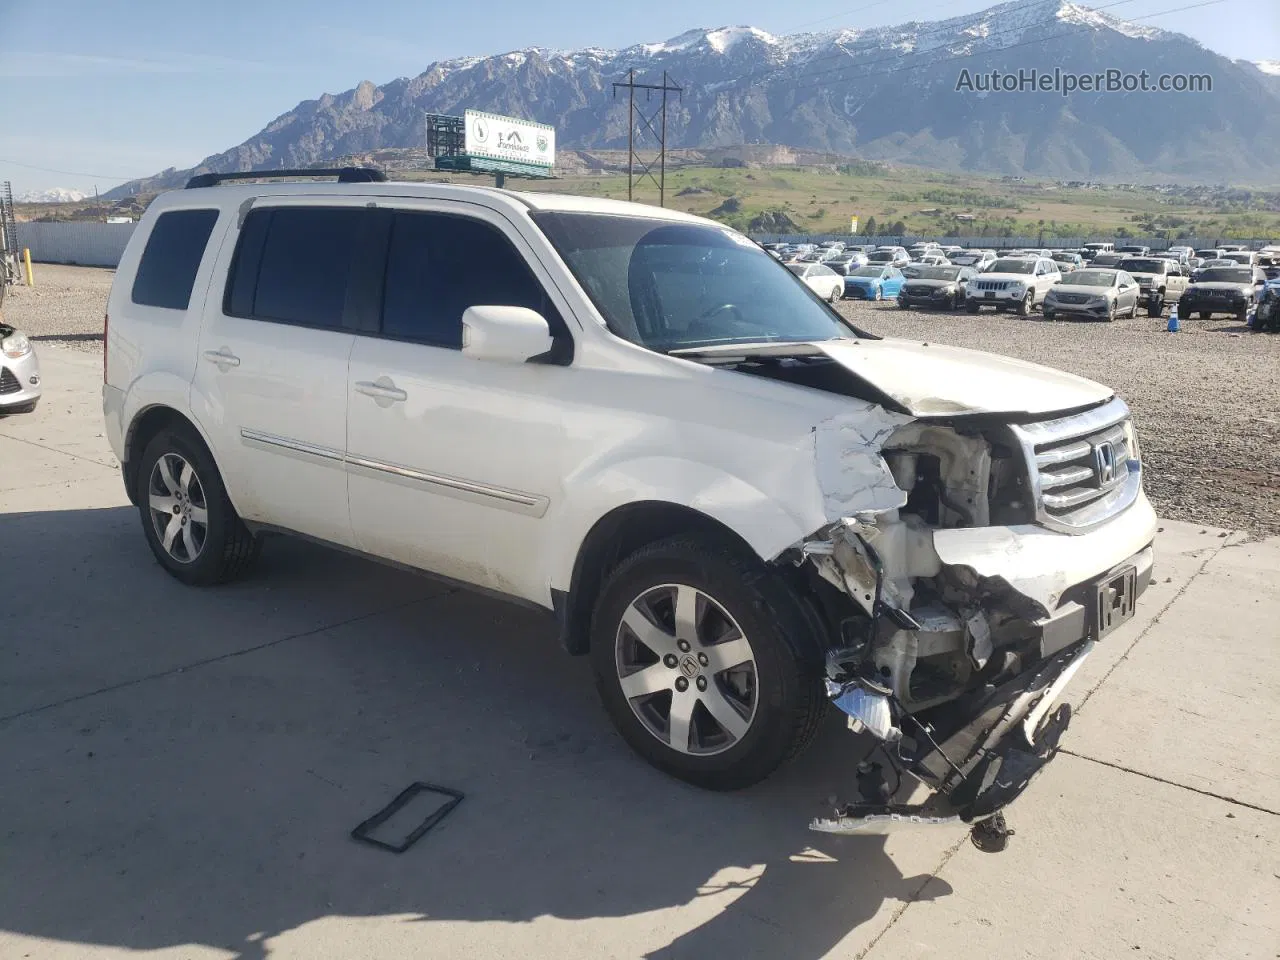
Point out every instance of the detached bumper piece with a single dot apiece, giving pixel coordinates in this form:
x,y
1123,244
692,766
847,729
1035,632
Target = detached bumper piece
x,y
977,754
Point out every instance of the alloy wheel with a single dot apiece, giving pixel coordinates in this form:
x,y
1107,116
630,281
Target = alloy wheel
x,y
179,512
686,669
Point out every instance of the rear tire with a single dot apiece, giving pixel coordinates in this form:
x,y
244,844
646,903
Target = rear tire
x,y
1155,307
772,704
175,504
1205,314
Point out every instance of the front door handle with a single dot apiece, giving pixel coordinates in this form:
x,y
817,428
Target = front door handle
x,y
383,390
223,357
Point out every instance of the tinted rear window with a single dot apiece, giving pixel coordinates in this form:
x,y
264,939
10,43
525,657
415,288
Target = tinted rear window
x,y
292,265
171,258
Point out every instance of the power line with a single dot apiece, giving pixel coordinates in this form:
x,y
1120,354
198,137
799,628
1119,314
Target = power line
x,y
69,173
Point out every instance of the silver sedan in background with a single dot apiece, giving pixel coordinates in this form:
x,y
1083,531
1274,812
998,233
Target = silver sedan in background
x,y
1094,293
19,372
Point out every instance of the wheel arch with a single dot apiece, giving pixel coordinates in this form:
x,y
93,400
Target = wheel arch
x,y
612,538
146,424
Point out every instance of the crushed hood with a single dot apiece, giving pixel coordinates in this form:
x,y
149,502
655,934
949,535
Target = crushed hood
x,y
931,380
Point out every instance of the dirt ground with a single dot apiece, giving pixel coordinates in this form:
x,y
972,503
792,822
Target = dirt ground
x,y
1206,400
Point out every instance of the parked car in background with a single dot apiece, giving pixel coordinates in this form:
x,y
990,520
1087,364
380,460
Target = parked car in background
x,y
896,256
935,286
1246,258
1232,247
978,259
819,278
1067,261
1091,250
19,372
1013,283
1133,250
1097,293
848,261
875,281
1209,264
1183,253
1210,253
1106,259
1161,281
1232,290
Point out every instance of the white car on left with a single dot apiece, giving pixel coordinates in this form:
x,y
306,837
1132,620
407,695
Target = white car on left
x,y
19,372
819,278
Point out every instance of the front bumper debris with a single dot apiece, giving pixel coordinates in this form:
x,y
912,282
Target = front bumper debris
x,y
977,754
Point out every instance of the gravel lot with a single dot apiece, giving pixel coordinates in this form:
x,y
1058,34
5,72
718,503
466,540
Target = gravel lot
x,y
1207,400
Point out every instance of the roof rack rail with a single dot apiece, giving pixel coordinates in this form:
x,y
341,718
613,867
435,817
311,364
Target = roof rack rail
x,y
344,175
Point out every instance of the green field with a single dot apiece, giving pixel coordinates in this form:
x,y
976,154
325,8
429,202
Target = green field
x,y
902,200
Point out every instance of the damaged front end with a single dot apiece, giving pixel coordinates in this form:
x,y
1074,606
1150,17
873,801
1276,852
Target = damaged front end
x,y
962,614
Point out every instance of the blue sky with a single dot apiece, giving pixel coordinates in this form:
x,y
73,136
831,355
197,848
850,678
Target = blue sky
x,y
100,92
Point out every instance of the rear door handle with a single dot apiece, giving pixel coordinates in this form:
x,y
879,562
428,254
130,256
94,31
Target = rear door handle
x,y
223,357
382,389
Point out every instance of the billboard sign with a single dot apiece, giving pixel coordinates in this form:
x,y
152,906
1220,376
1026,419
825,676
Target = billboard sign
x,y
506,138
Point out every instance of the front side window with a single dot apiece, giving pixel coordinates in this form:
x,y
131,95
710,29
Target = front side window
x,y
439,265
668,285
167,271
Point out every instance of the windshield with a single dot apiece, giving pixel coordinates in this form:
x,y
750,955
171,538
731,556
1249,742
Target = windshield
x,y
881,256
1095,246
1139,265
667,285
798,268
1226,275
936,273
965,259
1065,257
1092,278
868,272
1013,266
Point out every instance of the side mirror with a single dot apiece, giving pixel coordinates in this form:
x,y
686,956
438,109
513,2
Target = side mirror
x,y
506,334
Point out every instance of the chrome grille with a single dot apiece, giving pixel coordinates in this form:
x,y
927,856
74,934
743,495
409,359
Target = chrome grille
x,y
1073,297
994,284
1082,468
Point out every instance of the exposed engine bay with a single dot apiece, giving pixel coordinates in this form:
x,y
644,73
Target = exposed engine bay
x,y
952,662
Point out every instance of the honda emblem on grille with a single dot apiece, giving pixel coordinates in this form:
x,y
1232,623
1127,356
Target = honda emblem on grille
x,y
1104,461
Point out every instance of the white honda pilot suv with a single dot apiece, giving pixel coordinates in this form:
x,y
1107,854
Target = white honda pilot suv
x,y
738,504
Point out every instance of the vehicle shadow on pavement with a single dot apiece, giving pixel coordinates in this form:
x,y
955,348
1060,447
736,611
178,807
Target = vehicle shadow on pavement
x,y
211,802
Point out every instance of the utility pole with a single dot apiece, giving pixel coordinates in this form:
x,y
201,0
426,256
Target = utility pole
x,y
659,133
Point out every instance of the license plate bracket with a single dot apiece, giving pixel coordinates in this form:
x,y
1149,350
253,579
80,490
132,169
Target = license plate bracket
x,y
1115,598
991,295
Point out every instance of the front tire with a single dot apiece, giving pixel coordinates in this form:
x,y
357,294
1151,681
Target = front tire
x,y
972,306
706,662
1028,302
187,517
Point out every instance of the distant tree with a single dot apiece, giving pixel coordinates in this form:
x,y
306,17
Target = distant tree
x,y
870,228
897,228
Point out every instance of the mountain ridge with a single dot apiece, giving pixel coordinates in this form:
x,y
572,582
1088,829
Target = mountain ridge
x,y
882,93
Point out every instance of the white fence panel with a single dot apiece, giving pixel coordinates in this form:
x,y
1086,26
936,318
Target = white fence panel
x,y
89,244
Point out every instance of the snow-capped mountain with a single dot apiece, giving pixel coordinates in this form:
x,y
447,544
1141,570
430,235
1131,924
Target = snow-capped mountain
x,y
885,93
53,195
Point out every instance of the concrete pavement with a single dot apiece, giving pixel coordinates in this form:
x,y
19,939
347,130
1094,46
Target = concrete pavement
x,y
181,769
